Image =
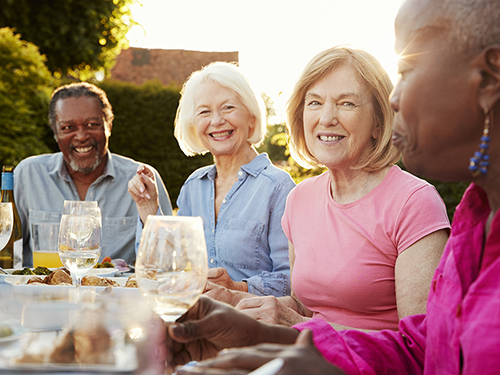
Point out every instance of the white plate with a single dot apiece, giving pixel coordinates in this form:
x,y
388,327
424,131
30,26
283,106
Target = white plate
x,y
64,291
21,281
103,272
17,332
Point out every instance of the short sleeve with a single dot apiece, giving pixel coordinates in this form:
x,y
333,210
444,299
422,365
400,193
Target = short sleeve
x,y
423,213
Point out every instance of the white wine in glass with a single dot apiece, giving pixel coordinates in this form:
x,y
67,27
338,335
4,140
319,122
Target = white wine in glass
x,y
6,226
80,243
171,266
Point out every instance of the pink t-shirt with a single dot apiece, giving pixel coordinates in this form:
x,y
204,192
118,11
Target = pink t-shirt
x,y
345,254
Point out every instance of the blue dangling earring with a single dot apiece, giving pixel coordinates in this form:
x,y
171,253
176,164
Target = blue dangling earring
x,y
481,160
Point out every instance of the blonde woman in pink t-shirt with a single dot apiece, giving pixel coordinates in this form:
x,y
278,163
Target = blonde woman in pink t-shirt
x,y
365,237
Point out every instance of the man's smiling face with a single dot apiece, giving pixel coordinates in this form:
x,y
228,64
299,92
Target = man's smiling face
x,y
81,133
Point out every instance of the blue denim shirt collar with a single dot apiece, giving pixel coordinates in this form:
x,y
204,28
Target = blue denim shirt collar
x,y
257,165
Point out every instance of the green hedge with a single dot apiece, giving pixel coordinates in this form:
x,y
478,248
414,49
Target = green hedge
x,y
451,192
143,129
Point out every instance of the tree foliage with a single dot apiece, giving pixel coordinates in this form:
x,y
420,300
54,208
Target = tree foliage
x,y
79,37
25,87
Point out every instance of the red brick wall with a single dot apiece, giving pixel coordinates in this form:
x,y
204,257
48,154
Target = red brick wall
x,y
138,65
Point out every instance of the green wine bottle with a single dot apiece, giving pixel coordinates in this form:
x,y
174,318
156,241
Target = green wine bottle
x,y
12,254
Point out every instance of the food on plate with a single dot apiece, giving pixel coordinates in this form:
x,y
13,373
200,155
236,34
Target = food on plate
x,y
121,265
92,280
64,350
131,282
105,263
93,346
84,346
35,280
88,345
5,331
35,271
149,274
61,276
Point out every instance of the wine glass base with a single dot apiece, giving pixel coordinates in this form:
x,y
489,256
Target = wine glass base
x,y
169,319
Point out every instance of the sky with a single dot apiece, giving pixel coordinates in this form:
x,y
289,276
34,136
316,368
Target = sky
x,y
275,38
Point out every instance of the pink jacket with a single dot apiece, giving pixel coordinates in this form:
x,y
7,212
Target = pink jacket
x,y
460,334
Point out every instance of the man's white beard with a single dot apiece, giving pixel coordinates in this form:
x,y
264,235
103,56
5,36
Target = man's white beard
x,y
74,166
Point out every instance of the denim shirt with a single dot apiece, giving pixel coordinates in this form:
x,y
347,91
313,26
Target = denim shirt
x,y
42,183
247,239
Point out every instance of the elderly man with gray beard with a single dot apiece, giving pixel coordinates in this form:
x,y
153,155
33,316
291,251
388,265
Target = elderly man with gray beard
x,y
81,117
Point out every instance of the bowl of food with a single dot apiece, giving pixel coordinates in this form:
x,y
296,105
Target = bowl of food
x,y
20,272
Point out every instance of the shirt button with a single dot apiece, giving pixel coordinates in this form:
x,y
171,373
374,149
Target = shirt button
x,y
224,200
240,173
212,260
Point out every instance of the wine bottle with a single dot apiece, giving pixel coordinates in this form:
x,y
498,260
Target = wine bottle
x,y
11,256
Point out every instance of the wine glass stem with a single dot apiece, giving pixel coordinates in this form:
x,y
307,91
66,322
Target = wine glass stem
x,y
78,281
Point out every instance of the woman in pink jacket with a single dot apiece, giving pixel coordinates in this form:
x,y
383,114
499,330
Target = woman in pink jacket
x,y
445,102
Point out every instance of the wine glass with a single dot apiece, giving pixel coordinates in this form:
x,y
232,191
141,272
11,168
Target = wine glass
x,y
80,242
6,224
171,266
78,207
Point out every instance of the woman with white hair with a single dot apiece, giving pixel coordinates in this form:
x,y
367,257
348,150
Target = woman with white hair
x,y
241,198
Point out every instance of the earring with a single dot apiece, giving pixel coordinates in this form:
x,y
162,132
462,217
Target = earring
x,y
481,160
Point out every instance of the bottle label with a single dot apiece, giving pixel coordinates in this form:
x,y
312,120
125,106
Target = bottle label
x,y
18,253
7,181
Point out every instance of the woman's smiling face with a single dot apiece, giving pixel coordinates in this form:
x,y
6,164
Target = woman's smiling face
x,y
222,121
338,119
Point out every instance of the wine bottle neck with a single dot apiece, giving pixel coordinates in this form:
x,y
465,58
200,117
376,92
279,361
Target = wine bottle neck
x,y
7,196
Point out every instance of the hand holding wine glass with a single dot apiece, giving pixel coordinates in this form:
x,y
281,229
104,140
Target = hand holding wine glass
x,y
80,242
171,266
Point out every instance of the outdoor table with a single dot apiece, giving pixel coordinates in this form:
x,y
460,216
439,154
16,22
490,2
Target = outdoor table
x,y
41,314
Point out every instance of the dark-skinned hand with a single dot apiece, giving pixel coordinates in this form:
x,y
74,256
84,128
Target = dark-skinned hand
x,y
298,359
210,326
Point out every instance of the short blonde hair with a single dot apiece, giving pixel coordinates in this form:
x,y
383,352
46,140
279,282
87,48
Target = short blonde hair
x,y
229,76
377,82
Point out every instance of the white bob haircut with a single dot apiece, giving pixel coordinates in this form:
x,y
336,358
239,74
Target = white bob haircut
x,y
229,76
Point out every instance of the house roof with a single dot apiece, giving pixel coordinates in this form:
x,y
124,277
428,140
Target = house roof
x,y
170,66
